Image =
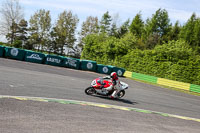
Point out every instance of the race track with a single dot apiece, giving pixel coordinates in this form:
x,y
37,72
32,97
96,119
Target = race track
x,y
35,80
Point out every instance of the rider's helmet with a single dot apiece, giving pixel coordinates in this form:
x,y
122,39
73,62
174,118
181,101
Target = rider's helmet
x,y
114,76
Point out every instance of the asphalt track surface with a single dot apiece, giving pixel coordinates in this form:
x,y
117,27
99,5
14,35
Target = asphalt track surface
x,y
35,80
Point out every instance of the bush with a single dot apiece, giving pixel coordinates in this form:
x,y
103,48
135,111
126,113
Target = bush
x,y
175,60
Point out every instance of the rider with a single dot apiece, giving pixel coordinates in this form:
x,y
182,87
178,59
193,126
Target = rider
x,y
115,82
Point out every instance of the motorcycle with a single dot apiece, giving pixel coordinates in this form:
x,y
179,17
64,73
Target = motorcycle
x,y
96,88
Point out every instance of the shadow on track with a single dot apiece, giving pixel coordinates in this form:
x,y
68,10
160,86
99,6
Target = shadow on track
x,y
118,100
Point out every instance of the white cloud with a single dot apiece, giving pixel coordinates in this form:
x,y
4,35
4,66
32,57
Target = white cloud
x,y
3,38
180,15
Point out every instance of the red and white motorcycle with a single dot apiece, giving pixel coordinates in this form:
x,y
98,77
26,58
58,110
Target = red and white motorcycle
x,y
96,89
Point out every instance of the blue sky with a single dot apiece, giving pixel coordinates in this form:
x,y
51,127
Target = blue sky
x,y
180,10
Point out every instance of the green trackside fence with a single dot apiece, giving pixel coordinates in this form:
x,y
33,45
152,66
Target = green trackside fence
x,y
14,53
71,63
53,60
34,57
88,65
1,51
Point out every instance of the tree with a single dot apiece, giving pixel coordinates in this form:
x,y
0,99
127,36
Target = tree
x,y
137,25
187,32
124,28
197,33
40,24
11,13
90,26
159,23
22,31
158,26
175,31
64,33
19,34
105,23
11,35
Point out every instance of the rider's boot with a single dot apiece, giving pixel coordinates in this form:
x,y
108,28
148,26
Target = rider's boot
x,y
114,94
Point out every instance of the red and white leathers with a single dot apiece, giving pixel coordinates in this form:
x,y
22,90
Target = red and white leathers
x,y
115,84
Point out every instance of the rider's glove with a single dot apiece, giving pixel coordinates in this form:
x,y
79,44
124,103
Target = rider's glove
x,y
114,82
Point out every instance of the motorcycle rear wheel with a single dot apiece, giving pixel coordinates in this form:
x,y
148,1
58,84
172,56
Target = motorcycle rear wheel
x,y
89,91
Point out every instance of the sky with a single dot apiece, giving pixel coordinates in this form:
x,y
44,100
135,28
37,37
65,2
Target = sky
x,y
180,10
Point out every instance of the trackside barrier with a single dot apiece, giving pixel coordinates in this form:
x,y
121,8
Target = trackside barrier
x,y
53,60
175,84
71,63
128,74
162,81
119,71
88,65
34,57
104,69
1,51
15,53
194,88
144,77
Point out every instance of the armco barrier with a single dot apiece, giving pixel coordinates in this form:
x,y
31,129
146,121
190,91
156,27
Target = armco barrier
x,y
71,63
88,65
104,69
53,60
175,84
194,88
14,53
1,51
143,77
34,57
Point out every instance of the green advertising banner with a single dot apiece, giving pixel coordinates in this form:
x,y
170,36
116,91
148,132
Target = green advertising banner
x,y
53,60
14,53
119,71
104,69
88,65
1,51
34,57
71,63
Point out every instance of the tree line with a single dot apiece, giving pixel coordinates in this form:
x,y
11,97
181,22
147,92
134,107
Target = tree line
x,y
153,46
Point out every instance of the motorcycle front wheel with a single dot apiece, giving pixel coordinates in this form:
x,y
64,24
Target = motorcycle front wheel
x,y
89,91
120,94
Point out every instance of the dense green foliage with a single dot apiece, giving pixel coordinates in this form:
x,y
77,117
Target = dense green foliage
x,y
155,48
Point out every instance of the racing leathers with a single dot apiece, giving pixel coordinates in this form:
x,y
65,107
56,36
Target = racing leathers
x,y
115,85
